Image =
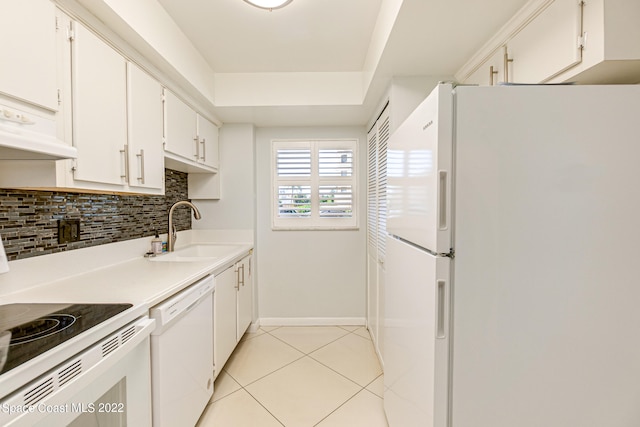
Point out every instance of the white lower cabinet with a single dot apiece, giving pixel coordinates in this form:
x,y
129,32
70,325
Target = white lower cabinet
x,y
232,309
224,315
244,297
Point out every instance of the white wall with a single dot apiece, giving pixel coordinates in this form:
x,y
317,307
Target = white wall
x,y
406,93
309,277
236,207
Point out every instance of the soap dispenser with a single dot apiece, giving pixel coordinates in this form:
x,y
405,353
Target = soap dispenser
x,y
156,244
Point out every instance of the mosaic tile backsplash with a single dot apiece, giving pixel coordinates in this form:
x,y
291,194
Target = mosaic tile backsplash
x,y
29,219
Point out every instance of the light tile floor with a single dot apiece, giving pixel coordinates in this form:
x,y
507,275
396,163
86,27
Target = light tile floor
x,y
325,376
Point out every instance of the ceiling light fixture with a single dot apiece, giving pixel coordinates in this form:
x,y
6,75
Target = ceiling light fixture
x,y
269,4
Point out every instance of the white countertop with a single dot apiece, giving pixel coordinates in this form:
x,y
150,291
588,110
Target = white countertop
x,y
116,272
113,273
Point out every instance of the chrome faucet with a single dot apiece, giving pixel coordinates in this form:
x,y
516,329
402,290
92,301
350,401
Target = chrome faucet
x,y
172,236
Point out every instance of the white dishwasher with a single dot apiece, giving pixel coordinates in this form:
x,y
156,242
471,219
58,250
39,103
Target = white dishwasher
x,y
182,356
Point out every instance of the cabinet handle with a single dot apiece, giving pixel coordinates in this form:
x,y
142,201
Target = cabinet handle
x,y
204,154
242,267
441,330
141,157
492,73
237,285
507,60
442,200
125,154
197,141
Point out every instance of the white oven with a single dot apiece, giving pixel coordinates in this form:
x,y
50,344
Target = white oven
x,y
108,383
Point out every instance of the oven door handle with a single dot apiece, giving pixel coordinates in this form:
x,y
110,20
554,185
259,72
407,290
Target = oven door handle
x,y
100,358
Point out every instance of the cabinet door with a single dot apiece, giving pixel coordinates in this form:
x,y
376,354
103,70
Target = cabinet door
x,y
548,45
491,72
99,90
207,142
28,51
180,127
146,156
224,314
245,296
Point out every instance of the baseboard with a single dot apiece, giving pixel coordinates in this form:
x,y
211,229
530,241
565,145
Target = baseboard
x,y
254,326
312,321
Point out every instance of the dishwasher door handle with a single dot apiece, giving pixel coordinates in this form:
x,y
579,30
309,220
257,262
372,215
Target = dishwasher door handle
x,y
193,304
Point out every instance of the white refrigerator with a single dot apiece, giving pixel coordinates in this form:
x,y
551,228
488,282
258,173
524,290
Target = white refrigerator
x,y
512,294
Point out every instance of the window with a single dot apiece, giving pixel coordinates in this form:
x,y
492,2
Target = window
x,y
314,185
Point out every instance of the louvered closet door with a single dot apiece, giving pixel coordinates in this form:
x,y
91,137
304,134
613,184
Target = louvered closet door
x,y
383,139
372,192
376,223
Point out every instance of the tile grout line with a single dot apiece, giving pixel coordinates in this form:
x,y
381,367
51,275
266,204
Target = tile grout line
x,y
316,360
322,346
339,406
265,408
243,387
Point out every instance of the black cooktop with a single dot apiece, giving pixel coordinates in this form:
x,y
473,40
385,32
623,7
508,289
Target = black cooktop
x,y
37,328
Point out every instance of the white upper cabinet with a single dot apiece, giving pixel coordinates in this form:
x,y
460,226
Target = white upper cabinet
x,y
119,124
548,45
555,41
611,35
28,52
180,127
207,142
146,155
491,71
114,112
99,88
191,141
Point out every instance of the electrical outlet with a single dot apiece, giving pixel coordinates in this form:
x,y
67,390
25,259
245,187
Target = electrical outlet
x,y
68,230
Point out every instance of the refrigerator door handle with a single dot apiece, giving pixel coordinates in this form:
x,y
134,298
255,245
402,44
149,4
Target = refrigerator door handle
x,y
441,314
442,202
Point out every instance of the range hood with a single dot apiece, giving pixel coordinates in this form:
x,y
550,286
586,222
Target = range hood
x,y
25,136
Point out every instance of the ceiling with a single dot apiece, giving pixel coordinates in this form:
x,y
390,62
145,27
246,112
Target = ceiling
x,y
305,36
421,38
